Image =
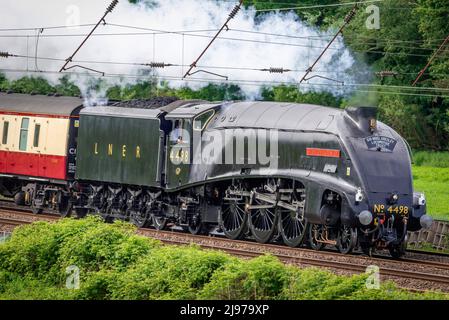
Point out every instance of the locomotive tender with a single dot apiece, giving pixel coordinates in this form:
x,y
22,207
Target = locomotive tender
x,y
265,170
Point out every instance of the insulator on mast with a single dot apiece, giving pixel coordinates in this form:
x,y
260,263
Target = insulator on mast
x,y
112,6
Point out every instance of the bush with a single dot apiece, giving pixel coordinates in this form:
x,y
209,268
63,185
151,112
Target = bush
x,y
45,250
169,273
114,263
316,284
260,278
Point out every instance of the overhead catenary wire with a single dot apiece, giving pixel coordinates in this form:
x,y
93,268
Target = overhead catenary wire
x,y
266,69
245,83
48,27
379,44
227,68
313,38
93,24
385,42
231,16
324,6
4,54
109,9
348,19
431,60
375,88
288,44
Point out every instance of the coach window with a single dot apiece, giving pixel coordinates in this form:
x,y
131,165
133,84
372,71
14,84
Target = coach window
x,y
5,132
24,134
37,131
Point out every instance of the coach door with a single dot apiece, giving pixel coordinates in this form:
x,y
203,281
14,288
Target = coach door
x,y
40,130
179,154
4,130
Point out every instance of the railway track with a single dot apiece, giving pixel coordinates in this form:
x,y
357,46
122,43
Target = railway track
x,y
306,257
408,273
21,216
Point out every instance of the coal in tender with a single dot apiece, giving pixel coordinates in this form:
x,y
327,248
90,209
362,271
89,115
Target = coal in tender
x,y
153,103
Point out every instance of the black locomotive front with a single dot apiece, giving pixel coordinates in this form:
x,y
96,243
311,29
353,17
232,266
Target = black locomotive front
x,y
385,204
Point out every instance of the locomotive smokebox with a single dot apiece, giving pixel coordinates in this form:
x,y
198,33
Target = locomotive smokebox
x,y
365,118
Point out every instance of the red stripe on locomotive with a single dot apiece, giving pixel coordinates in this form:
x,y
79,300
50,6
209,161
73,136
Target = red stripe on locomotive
x,y
327,153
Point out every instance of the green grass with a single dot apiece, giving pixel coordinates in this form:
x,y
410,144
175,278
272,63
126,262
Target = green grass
x,y
431,159
434,182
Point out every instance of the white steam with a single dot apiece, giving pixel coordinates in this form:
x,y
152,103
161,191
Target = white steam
x,y
297,51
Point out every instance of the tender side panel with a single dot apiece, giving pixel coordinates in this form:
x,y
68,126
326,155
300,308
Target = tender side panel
x,y
33,145
119,150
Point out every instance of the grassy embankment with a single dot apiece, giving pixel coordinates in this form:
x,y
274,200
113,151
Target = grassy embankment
x,y
431,176
114,263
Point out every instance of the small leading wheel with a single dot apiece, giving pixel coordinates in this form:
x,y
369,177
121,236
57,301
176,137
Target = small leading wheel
x,y
347,239
233,219
262,222
315,234
159,223
398,250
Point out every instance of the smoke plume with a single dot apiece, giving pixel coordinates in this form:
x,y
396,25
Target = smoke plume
x,y
256,48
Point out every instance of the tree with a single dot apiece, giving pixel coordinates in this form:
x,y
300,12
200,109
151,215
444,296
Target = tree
x,y
293,94
433,24
66,87
36,85
4,83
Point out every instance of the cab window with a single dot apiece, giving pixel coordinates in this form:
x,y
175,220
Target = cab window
x,y
24,134
176,133
180,133
201,121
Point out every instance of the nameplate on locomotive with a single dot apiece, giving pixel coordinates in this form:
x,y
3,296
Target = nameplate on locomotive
x,y
380,143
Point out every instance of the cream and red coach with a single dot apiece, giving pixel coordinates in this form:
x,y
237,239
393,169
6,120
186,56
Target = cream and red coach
x,y
38,145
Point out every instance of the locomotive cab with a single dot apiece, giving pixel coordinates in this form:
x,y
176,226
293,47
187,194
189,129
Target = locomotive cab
x,y
184,141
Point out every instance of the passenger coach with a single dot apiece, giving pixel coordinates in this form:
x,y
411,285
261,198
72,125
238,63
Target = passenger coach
x,y
38,144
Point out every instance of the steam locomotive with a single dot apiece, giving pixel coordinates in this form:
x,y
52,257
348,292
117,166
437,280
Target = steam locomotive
x,y
267,171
